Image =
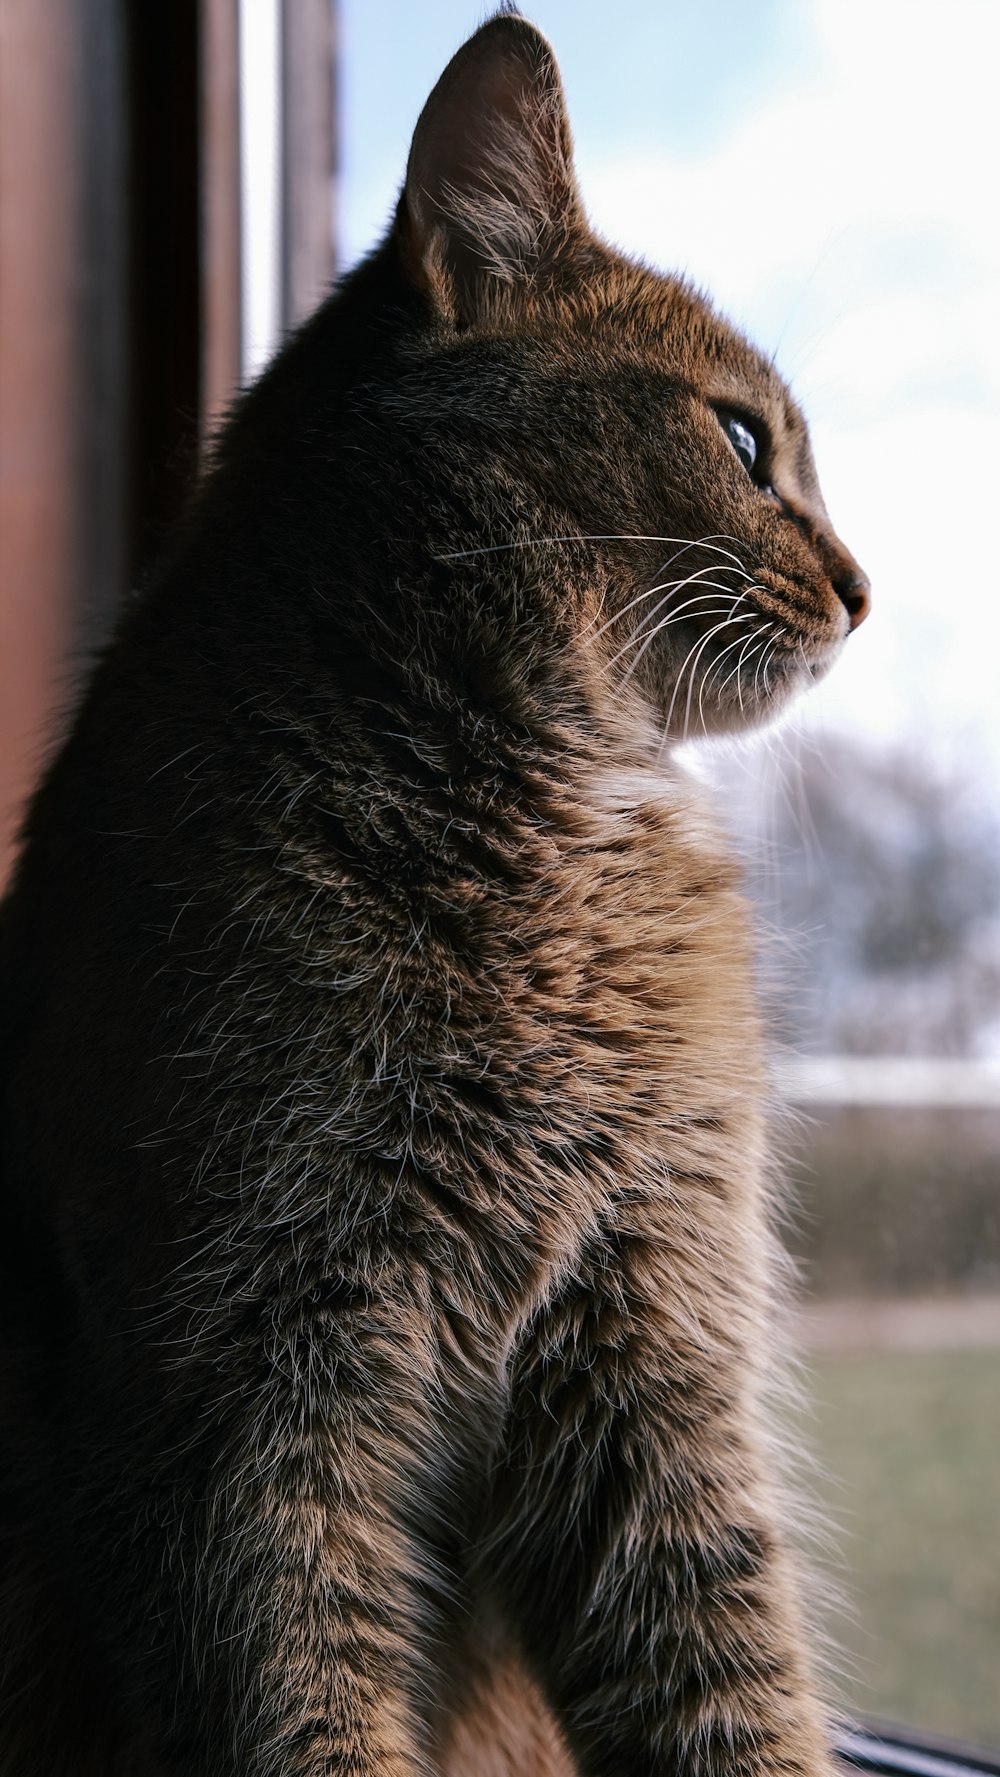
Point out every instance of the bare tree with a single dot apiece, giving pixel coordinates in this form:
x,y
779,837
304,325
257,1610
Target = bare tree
x,y
878,877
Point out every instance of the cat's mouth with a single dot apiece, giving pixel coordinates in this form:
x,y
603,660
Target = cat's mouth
x,y
738,667
721,642
739,683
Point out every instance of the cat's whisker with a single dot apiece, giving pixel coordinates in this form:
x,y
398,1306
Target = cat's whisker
x,y
718,663
706,604
668,586
707,543
723,611
737,673
677,685
706,638
766,642
674,616
766,654
641,639
711,541
764,629
761,674
720,610
692,656
770,659
707,680
712,586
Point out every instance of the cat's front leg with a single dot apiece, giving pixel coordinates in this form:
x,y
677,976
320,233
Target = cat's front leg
x,y
641,1552
262,1609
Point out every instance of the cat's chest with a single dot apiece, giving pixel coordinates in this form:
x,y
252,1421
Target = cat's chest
x,y
579,1003
621,1078
543,1030
623,1046
640,958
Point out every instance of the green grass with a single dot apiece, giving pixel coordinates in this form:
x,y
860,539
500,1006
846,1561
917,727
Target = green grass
x,y
910,1443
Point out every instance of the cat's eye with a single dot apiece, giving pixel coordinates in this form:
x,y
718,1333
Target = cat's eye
x,y
745,442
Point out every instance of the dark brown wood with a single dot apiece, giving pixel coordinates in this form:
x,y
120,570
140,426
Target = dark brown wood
x,y
220,230
120,305
39,392
309,162
101,332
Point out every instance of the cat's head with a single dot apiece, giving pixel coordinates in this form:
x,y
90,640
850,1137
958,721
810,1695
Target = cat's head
x,y
640,418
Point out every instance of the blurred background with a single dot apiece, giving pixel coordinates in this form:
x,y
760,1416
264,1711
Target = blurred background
x,y
179,184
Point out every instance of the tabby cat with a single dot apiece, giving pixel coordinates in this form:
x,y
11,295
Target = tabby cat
x,y
387,1271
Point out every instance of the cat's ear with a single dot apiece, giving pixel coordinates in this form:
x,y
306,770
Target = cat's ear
x,y
490,194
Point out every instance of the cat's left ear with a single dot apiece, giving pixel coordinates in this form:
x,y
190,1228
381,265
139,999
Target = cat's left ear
x,y
490,194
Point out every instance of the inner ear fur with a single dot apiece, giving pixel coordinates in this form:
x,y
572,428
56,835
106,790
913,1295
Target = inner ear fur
x,y
490,193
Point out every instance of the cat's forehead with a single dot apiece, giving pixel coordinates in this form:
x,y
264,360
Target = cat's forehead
x,y
714,354
672,327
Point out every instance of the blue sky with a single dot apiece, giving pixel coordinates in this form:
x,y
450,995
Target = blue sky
x,y
633,73
828,170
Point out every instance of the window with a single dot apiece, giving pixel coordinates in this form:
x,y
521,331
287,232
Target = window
x,y
820,167
137,293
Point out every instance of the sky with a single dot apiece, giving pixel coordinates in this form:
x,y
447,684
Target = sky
x,y
827,169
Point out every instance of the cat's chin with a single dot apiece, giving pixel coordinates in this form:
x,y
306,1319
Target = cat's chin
x,y
755,704
791,674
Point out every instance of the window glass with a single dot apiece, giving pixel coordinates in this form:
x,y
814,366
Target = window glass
x,y
824,168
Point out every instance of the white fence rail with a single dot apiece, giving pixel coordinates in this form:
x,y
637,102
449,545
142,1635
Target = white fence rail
x,y
890,1080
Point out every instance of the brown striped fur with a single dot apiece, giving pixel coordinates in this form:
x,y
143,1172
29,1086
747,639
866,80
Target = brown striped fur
x,y
388,1285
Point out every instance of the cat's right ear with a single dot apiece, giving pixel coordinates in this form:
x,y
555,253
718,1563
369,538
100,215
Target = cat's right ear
x,y
490,196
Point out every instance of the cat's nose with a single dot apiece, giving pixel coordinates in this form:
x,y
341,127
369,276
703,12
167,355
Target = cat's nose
x,y
853,588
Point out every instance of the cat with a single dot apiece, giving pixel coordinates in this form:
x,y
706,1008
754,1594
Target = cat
x,y
388,1280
